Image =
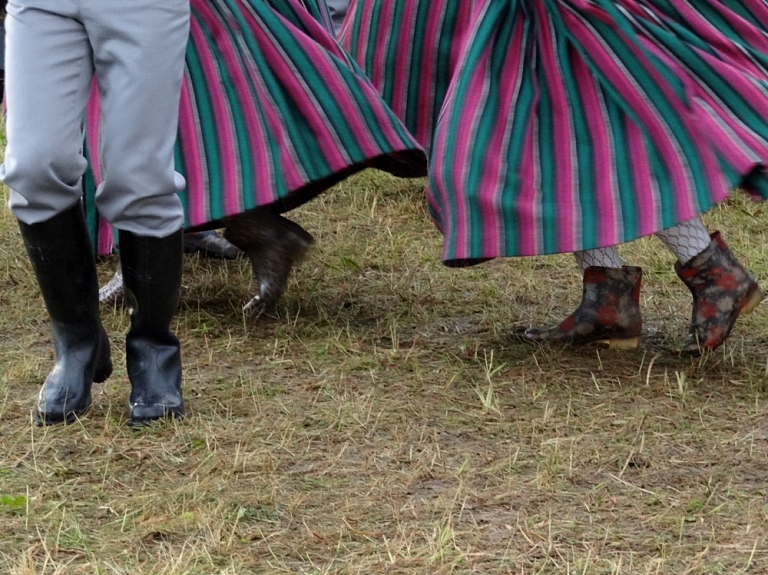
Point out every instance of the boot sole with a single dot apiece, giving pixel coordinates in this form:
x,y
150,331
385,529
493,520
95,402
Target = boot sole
x,y
168,414
42,420
611,343
630,343
49,419
754,299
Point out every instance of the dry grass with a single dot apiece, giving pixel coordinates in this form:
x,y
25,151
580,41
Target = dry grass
x,y
385,421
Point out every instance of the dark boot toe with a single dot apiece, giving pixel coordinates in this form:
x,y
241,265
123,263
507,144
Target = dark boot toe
x,y
145,413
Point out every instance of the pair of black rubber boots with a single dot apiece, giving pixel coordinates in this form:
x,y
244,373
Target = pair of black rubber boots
x,y
62,258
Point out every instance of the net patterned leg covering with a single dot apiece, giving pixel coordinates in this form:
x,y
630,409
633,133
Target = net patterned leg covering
x,y
600,257
686,240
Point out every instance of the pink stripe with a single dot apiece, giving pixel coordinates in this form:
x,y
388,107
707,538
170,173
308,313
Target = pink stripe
x,y
302,101
290,170
717,40
400,78
256,133
305,101
495,166
225,136
463,138
528,215
385,23
640,103
197,212
565,192
647,207
694,118
724,142
425,103
92,131
603,175
363,24
759,10
105,237
748,88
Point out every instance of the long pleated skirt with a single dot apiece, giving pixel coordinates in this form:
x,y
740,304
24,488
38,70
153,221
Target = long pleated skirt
x,y
272,113
562,125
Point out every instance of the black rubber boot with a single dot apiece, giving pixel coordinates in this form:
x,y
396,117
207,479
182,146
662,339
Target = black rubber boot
x,y
62,257
152,275
274,244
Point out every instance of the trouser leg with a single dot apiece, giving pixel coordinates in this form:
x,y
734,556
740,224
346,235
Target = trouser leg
x,y
49,70
139,49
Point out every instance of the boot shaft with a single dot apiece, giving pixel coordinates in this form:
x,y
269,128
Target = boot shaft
x,y
152,275
62,258
151,269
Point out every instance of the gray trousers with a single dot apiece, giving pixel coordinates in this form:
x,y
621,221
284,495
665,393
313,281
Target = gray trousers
x,y
135,50
338,10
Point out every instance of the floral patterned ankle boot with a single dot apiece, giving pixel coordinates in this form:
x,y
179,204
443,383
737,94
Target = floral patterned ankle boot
x,y
722,290
609,311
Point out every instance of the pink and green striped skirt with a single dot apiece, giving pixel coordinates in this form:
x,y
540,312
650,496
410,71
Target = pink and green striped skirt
x,y
273,112
562,125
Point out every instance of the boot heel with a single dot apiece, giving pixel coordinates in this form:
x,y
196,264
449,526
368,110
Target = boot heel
x,y
753,300
629,343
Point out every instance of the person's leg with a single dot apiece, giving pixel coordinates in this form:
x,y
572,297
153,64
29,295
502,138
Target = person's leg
x,y
210,244
601,257
721,288
49,70
609,311
139,57
274,244
338,10
139,60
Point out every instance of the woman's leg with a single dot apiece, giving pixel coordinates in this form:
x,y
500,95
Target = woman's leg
x,y
610,306
721,288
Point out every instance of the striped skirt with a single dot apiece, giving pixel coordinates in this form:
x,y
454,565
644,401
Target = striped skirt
x,y
272,113
562,125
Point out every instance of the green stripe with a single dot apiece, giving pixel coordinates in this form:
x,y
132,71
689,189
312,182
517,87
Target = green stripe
x,y
487,125
199,85
628,218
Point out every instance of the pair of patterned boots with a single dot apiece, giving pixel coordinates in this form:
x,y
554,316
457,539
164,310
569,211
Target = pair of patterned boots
x,y
610,308
62,258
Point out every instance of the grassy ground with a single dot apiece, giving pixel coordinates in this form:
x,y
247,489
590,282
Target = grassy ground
x,y
386,420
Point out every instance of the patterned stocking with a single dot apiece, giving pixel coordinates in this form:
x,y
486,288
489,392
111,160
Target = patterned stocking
x,y
600,257
686,240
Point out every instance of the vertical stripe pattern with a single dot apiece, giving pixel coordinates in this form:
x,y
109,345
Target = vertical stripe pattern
x,y
273,112
564,125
